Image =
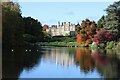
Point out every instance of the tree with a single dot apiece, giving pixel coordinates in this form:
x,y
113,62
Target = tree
x,y
111,21
12,30
86,32
113,18
101,22
103,36
33,27
45,27
45,33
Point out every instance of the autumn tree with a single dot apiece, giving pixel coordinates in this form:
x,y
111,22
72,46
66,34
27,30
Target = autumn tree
x,y
103,36
86,32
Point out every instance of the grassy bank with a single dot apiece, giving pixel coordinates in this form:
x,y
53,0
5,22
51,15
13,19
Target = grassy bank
x,y
59,44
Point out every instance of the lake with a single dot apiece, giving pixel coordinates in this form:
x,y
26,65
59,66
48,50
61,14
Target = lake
x,y
60,62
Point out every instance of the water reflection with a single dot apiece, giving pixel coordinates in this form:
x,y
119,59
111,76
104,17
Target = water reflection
x,y
13,62
87,60
84,59
61,56
59,62
100,59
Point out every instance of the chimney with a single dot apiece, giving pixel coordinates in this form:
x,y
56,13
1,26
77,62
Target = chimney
x,y
69,23
64,23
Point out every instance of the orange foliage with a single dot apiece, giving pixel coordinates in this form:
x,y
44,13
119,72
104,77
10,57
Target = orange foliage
x,y
79,38
88,41
86,33
83,57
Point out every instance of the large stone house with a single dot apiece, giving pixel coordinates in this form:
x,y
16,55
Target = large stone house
x,y
62,29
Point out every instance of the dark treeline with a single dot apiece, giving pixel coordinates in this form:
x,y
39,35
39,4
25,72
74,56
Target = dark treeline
x,y
12,25
33,30
13,63
17,29
15,33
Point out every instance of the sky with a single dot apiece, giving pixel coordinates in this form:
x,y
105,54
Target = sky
x,y
52,12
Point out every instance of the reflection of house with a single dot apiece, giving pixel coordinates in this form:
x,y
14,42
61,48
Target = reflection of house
x,y
61,29
60,57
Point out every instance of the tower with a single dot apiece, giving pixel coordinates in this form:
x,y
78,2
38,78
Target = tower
x,y
58,24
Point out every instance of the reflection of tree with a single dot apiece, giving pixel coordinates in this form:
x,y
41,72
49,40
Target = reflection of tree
x,y
100,58
14,62
107,66
83,57
110,70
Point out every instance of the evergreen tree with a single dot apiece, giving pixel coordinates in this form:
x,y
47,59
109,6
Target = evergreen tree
x,y
113,18
101,22
111,21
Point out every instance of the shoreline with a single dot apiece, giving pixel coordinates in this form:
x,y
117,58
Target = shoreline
x,y
59,44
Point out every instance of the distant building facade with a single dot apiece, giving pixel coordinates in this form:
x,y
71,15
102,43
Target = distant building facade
x,y
62,29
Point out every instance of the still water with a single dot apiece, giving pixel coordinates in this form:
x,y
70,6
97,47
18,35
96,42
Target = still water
x,y
61,62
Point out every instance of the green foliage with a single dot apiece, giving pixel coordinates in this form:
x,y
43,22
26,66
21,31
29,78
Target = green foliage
x,y
101,22
16,29
102,45
57,44
112,20
113,16
77,27
60,39
67,34
111,44
69,39
12,31
94,46
28,37
118,48
45,34
33,27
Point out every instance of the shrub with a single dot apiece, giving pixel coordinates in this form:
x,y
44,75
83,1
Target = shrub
x,y
94,46
103,36
111,44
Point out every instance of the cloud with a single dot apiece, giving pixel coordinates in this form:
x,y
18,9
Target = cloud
x,y
69,13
